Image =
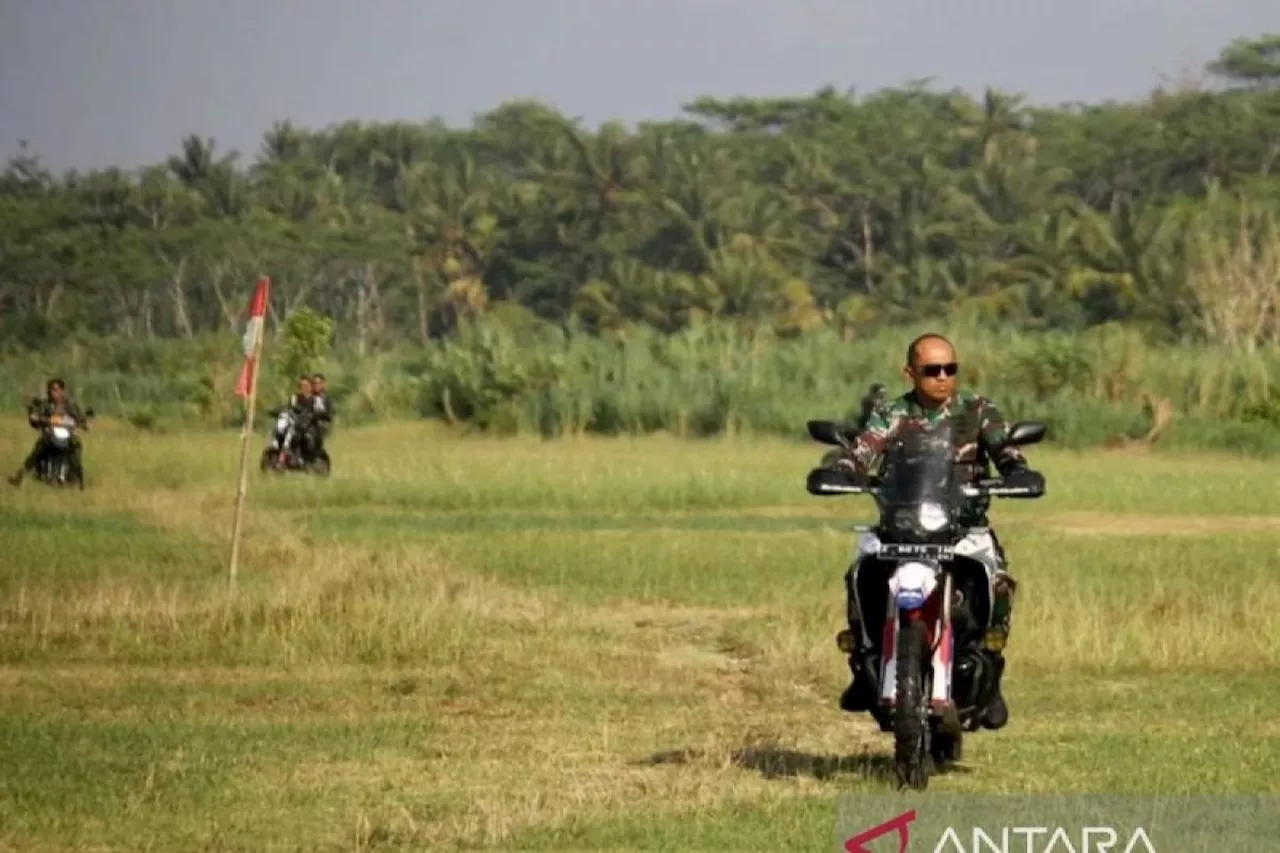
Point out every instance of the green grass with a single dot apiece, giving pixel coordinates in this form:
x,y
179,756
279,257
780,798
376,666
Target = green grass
x,y
590,644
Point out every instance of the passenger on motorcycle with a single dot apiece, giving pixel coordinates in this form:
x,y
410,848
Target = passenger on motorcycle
x,y
324,412
980,429
39,413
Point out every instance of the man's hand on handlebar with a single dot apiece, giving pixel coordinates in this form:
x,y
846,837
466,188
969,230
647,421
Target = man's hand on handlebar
x,y
821,480
1024,478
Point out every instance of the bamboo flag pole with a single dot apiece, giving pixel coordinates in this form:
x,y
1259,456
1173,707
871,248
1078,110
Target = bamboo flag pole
x,y
247,387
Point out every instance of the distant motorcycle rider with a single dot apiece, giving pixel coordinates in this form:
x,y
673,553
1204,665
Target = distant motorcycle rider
x,y
39,414
302,405
980,430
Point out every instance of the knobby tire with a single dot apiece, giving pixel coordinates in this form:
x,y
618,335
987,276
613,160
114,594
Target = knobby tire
x,y
910,720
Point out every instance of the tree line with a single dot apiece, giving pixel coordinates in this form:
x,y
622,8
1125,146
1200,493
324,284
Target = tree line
x,y
831,210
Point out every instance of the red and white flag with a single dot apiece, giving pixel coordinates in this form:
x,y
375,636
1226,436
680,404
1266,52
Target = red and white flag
x,y
252,336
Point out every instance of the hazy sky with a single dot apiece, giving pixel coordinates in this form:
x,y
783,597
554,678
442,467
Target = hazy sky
x,y
97,82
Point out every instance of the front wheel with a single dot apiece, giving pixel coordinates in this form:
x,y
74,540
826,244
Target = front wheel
x,y
910,716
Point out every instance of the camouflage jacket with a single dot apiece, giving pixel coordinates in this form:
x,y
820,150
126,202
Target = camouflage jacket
x,y
303,409
979,427
40,411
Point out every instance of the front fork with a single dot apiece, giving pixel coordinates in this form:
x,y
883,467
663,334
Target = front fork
x,y
283,454
936,613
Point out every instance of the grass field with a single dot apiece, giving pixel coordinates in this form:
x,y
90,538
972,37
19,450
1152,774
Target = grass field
x,y
596,644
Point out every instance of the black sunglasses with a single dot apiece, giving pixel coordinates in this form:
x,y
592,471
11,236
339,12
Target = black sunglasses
x,y
933,371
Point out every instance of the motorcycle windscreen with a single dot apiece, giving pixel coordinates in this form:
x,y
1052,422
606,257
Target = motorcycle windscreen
x,y
918,466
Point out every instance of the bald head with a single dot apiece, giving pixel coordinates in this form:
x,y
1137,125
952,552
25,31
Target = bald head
x,y
927,339
931,368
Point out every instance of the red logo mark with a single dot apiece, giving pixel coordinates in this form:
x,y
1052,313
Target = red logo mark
x,y
854,844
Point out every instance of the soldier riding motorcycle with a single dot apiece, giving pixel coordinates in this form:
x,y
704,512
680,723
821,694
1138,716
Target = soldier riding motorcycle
x,y
57,456
928,595
295,440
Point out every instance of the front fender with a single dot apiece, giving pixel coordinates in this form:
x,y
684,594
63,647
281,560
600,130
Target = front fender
x,y
912,583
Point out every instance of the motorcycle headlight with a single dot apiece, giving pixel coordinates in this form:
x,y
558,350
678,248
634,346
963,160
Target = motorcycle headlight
x,y
932,517
61,433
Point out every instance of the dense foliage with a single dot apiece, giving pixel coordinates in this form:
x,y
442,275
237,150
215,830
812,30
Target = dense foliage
x,y
829,215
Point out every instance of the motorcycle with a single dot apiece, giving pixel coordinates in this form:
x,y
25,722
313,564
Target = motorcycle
x,y
284,453
56,466
934,673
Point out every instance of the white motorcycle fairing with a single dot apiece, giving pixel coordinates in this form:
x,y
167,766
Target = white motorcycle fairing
x,y
911,585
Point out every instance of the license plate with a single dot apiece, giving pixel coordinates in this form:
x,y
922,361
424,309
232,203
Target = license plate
x,y
899,551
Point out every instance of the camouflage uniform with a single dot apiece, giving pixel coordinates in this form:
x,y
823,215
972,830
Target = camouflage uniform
x,y
304,411
978,426
38,415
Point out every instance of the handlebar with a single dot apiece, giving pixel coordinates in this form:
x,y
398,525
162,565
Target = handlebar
x,y
985,488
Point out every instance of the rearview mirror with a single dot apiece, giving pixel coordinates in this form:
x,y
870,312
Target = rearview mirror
x,y
88,413
829,481
1026,432
827,432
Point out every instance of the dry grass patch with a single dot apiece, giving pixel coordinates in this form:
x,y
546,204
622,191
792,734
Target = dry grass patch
x,y
491,776
1139,524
